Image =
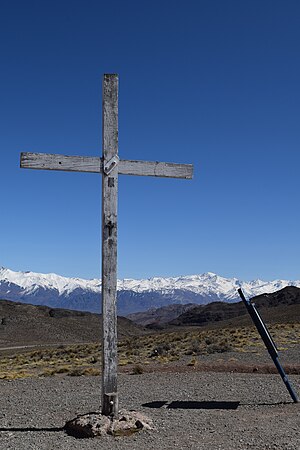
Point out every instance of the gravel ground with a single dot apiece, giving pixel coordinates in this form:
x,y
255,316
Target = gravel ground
x,y
208,411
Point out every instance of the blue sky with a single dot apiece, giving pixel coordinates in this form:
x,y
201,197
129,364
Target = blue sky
x,y
214,83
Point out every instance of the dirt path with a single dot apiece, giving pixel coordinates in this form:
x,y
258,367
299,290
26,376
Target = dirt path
x,y
210,411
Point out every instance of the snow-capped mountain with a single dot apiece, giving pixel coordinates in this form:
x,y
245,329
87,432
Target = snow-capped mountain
x,y
133,295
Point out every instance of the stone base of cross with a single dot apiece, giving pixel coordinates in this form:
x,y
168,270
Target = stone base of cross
x,y
110,166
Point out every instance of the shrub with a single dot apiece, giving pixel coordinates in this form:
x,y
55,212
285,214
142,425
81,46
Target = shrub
x,y
161,350
192,362
76,372
137,370
220,347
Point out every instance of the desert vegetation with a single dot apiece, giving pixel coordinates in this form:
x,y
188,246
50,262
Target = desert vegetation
x,y
186,345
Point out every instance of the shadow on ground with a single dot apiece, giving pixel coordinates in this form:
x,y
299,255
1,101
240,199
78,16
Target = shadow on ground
x,y
192,405
25,430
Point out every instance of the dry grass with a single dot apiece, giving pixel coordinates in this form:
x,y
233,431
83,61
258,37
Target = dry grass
x,y
85,359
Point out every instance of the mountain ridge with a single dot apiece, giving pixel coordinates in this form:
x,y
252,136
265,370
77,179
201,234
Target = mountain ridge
x,y
285,302
133,295
26,325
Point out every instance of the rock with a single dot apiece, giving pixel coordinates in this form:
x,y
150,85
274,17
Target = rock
x,y
129,422
88,425
96,425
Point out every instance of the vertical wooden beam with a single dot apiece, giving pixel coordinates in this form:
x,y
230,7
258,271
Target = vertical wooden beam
x,y
109,244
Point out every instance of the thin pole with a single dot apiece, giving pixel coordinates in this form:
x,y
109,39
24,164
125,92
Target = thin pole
x,y
268,341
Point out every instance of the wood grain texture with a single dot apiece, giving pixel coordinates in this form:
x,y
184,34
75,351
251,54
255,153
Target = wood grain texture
x,y
47,161
109,246
109,405
155,169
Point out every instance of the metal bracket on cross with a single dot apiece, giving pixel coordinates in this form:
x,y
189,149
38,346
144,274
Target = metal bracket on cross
x,y
110,165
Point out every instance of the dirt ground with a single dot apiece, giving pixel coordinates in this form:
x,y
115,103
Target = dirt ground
x,y
190,410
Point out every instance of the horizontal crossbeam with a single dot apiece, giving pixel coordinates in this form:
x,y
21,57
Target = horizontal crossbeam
x,y
47,161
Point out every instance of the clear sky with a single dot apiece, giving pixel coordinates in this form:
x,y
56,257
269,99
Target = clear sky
x,y
209,82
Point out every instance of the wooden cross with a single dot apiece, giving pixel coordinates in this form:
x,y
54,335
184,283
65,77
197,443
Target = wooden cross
x,y
110,167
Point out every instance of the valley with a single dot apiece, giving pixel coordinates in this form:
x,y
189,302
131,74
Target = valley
x,y
216,337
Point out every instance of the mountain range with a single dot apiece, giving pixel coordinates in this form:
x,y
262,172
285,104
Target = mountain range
x,y
133,295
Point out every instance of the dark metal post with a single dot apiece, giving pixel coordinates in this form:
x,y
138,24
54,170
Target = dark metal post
x,y
268,341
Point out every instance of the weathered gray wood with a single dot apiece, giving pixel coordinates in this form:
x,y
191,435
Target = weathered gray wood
x,y
47,161
109,246
109,404
155,169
